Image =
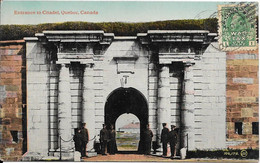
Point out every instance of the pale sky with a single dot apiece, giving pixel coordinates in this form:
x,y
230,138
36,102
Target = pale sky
x,y
108,11
125,119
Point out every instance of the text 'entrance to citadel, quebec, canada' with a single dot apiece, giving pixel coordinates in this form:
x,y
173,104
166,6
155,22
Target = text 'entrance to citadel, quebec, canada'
x,y
127,100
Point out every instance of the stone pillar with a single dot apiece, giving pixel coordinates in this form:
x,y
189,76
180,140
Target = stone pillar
x,y
188,107
64,108
164,110
88,103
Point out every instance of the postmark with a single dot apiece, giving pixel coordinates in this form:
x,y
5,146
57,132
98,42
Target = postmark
x,y
243,153
237,27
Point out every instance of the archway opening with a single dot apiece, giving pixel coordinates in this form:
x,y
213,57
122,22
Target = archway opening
x,y
127,132
127,100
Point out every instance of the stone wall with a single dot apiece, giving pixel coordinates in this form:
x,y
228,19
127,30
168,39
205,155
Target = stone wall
x,y
209,99
114,73
37,77
11,99
242,98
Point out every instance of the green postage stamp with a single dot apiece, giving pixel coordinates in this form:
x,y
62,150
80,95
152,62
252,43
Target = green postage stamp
x,y
237,27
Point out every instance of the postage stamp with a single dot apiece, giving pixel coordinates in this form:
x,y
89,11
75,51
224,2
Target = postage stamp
x,y
237,27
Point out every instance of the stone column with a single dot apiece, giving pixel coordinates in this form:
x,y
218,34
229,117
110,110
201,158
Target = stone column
x,y
64,108
188,107
88,104
164,110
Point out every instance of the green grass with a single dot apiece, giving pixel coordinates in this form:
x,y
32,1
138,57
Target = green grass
x,y
128,146
15,32
127,141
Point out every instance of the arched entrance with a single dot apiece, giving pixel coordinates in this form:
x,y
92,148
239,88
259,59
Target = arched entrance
x,y
127,100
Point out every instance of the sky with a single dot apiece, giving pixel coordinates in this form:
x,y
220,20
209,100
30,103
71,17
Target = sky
x,y
108,11
125,119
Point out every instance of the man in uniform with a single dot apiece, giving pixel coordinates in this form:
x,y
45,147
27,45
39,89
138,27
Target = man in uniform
x,y
112,140
148,134
164,138
173,140
103,140
77,140
85,139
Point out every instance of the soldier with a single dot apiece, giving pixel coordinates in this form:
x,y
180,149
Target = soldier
x,y
103,139
112,140
84,140
173,140
77,139
164,138
148,134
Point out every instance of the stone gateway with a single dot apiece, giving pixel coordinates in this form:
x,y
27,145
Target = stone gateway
x,y
176,77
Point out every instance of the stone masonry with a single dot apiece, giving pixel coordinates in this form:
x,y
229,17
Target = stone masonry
x,y
76,72
242,98
12,101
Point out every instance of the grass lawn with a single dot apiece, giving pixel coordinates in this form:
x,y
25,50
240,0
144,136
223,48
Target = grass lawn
x,y
127,141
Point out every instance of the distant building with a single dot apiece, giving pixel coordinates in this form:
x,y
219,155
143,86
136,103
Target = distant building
x,y
133,127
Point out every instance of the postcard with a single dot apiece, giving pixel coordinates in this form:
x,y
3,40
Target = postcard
x,y
142,81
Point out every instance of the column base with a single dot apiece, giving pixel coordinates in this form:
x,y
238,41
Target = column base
x,y
92,153
65,155
32,156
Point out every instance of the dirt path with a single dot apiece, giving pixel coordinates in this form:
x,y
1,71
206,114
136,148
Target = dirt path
x,y
127,157
145,158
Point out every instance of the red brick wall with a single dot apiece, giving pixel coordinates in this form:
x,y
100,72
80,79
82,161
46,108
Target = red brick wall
x,y
11,53
242,97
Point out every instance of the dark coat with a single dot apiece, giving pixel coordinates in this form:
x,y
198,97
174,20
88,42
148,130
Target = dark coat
x,y
148,134
164,135
112,149
84,135
112,135
173,136
78,141
104,135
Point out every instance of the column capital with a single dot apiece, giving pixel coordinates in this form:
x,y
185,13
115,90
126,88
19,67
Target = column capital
x,y
64,65
164,66
188,64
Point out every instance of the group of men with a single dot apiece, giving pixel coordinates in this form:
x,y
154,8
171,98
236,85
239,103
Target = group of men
x,y
108,140
170,137
81,138
167,136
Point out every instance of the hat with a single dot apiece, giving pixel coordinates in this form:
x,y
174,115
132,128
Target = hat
x,y
173,126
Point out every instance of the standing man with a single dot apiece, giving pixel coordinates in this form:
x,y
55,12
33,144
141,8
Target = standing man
x,y
164,138
173,140
112,141
85,139
148,134
77,139
103,139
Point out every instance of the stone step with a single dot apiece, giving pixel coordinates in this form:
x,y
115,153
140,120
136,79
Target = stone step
x,y
92,154
64,155
159,154
50,158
